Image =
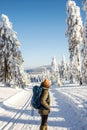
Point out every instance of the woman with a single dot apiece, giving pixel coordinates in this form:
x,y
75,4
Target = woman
x,y
45,104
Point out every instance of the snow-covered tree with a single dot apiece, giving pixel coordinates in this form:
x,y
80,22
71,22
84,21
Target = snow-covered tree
x,y
74,34
54,64
10,55
55,72
46,73
68,71
84,49
63,69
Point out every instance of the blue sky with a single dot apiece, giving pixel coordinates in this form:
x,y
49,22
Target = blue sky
x,y
40,27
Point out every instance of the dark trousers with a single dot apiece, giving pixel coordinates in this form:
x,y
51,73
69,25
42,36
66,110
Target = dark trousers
x,y
44,119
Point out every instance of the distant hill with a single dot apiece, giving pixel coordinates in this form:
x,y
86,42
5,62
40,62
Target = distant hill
x,y
38,69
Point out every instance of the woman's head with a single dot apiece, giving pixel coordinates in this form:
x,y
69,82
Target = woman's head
x,y
46,83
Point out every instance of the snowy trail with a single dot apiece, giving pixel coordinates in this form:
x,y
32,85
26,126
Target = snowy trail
x,y
9,93
12,109
62,116
16,113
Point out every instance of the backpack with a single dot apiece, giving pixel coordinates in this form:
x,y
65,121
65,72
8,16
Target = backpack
x,y
35,100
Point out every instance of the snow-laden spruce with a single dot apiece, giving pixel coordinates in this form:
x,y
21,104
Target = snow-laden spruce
x,y
63,69
84,49
74,34
10,56
55,72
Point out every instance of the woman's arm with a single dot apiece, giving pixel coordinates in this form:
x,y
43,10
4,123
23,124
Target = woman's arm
x,y
44,98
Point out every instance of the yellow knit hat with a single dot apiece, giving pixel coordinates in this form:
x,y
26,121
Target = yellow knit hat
x,y
46,83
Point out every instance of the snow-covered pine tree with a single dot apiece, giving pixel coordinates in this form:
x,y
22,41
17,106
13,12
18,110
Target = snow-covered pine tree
x,y
68,71
46,73
84,49
63,69
74,34
55,72
10,55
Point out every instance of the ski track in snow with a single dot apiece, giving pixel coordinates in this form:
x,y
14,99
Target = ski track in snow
x,y
17,114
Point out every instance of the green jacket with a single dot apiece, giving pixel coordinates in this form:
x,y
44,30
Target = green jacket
x,y
45,101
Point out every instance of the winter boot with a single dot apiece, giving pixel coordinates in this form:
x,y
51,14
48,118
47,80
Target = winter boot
x,y
43,127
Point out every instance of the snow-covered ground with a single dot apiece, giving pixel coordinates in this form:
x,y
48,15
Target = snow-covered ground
x,y
68,109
